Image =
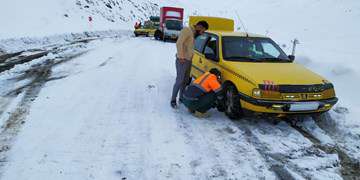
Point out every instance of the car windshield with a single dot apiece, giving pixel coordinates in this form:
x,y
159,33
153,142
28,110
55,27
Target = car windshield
x,y
148,25
174,25
252,49
156,25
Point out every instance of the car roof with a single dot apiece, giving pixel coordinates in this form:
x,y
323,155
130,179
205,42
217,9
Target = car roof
x,y
235,33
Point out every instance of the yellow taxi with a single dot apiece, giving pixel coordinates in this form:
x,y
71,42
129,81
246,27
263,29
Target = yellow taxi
x,y
257,75
144,32
148,29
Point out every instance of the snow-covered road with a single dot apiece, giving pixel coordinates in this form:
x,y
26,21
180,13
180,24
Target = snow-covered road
x,y
110,118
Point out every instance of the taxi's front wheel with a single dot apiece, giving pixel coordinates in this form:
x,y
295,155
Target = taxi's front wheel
x,y
232,103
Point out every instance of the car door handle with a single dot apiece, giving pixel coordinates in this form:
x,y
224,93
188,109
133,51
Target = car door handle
x,y
200,60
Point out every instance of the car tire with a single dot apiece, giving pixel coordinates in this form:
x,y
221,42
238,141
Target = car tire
x,y
158,35
320,116
232,103
220,106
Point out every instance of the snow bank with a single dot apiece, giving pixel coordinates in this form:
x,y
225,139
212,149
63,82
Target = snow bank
x,y
20,44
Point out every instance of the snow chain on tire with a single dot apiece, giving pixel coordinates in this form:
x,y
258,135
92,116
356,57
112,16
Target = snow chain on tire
x,y
233,107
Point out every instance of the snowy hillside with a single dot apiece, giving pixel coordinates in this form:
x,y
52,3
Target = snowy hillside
x,y
47,17
77,102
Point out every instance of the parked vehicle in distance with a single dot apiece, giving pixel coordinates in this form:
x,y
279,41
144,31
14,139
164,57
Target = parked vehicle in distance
x,y
148,28
257,75
171,23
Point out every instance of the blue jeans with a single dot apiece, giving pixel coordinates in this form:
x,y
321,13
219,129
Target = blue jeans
x,y
182,78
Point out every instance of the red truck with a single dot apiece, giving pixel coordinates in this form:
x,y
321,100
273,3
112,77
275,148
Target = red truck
x,y
171,23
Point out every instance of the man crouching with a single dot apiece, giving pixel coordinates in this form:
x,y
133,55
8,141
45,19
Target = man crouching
x,y
203,93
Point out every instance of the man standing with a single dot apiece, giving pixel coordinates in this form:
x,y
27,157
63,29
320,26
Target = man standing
x,y
185,48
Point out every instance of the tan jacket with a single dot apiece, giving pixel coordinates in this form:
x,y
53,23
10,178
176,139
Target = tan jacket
x,y
185,44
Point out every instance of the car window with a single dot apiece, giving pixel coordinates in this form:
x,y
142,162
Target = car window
x,y
270,49
148,25
200,42
211,46
208,50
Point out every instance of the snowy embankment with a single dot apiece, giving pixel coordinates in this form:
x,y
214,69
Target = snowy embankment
x,y
14,45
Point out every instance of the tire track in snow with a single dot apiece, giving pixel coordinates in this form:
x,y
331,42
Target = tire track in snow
x,y
286,150
226,146
197,142
276,163
350,168
40,74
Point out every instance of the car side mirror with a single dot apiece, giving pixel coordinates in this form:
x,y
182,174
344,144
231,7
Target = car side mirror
x,y
211,56
292,58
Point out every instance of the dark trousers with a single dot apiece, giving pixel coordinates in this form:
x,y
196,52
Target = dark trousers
x,y
201,104
182,78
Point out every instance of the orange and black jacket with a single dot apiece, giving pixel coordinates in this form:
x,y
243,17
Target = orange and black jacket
x,y
206,83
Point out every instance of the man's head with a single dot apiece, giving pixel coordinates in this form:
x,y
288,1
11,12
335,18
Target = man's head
x,y
216,72
201,27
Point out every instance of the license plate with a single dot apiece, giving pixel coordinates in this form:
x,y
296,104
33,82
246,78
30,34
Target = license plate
x,y
306,106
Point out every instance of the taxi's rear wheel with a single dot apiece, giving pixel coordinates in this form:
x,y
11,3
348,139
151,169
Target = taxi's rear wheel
x,y
232,103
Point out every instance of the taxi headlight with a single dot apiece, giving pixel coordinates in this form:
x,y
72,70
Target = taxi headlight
x,y
290,96
317,95
256,92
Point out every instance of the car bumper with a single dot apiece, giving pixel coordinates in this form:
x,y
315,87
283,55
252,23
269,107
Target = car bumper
x,y
283,107
174,37
171,34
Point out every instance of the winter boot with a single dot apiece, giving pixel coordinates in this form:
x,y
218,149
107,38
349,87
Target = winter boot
x,y
173,104
201,115
191,111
